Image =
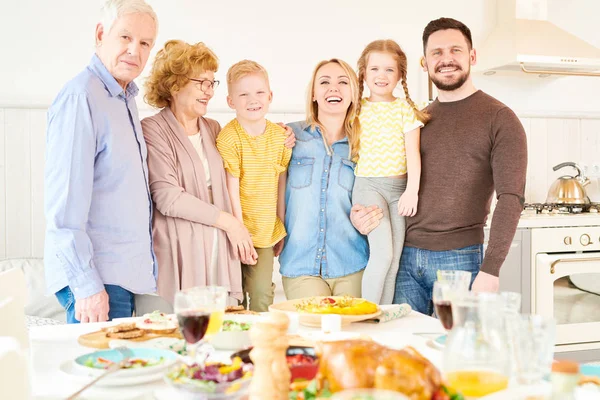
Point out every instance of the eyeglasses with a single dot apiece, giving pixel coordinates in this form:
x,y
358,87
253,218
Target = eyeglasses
x,y
205,84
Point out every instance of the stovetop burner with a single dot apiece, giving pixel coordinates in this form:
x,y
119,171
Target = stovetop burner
x,y
549,208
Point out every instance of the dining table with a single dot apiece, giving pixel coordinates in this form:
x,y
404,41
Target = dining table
x,y
54,345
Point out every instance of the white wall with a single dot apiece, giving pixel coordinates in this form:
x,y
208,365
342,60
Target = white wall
x,y
44,43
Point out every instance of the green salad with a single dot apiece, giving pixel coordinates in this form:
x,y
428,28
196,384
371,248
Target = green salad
x,y
233,326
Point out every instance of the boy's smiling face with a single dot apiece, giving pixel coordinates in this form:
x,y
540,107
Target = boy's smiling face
x,y
250,97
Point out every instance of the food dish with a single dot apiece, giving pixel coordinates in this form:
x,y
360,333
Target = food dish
x,y
302,361
305,307
234,334
157,322
213,381
344,305
142,362
83,377
366,364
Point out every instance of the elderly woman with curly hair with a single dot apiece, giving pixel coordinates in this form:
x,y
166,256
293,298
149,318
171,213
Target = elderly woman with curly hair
x,y
197,240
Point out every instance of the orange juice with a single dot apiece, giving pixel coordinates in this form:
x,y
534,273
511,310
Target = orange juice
x,y
214,325
476,383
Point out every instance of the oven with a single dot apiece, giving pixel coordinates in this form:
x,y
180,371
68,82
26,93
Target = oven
x,y
565,285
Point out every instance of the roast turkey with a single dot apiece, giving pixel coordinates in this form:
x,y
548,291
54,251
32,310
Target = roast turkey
x,y
355,364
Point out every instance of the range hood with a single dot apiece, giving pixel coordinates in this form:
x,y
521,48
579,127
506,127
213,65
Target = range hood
x,y
518,45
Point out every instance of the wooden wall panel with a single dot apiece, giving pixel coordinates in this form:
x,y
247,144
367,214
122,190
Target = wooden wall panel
x,y
18,183
538,161
2,188
37,124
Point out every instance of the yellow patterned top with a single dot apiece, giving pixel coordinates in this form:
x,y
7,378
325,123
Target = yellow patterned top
x,y
382,152
257,161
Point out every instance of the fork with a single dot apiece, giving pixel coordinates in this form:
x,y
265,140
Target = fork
x,y
125,352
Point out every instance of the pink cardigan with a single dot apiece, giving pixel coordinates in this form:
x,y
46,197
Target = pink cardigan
x,y
183,214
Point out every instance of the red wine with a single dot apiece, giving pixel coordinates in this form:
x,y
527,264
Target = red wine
x,y
193,325
443,309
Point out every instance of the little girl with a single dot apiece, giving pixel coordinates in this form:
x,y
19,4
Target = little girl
x,y
388,153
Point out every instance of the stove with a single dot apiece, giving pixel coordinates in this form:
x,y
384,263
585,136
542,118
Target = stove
x,y
554,262
550,208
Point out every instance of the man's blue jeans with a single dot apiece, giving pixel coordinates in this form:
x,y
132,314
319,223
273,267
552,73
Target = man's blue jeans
x,y
120,301
418,272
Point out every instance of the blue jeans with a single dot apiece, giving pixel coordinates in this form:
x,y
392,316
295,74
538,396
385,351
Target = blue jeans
x,y
418,272
120,301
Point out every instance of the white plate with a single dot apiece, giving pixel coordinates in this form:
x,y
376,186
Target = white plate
x,y
164,343
168,357
69,368
319,336
439,342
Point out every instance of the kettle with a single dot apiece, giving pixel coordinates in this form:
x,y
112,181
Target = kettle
x,y
568,189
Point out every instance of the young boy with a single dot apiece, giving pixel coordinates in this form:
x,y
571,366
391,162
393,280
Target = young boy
x,y
255,160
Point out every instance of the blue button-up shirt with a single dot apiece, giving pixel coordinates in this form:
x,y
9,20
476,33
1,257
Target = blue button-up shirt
x,y
321,240
97,201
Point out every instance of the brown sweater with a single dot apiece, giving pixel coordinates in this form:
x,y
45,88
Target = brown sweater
x,y
470,148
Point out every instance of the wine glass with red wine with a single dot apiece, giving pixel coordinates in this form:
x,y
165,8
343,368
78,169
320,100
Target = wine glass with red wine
x,y
199,314
443,294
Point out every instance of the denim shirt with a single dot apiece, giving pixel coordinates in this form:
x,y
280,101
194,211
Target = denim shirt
x,y
321,240
97,202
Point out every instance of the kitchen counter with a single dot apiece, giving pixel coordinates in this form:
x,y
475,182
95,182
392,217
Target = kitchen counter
x,y
559,220
553,220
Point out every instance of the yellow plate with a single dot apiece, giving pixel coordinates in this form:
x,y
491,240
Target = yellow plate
x,y
314,320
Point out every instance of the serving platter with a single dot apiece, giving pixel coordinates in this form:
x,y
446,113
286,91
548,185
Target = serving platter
x,y
314,319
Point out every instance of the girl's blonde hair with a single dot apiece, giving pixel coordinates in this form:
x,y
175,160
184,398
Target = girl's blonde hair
x,y
351,122
173,67
390,47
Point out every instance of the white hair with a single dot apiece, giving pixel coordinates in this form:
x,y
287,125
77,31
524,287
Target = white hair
x,y
114,9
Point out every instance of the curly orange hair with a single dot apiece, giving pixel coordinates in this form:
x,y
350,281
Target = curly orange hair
x,y
173,65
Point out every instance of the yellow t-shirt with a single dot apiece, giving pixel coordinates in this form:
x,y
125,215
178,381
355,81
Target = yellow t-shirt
x,y
383,125
257,161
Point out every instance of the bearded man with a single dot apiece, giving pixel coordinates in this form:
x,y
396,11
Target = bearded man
x,y
473,145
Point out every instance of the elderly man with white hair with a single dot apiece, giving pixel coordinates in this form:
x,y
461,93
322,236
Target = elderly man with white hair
x,y
98,249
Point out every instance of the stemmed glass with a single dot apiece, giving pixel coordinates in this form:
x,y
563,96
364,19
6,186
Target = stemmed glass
x,y
200,314
449,285
443,294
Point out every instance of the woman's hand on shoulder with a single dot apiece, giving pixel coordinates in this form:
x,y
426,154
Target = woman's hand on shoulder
x,y
290,140
365,219
407,205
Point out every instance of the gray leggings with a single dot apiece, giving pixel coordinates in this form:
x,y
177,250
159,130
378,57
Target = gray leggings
x,y
387,240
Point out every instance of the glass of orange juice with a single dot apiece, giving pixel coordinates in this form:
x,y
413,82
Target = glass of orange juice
x,y
476,362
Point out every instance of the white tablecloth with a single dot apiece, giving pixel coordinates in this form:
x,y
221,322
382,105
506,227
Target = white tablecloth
x,y
53,345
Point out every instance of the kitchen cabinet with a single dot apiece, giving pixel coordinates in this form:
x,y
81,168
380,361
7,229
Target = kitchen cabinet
x,y
515,274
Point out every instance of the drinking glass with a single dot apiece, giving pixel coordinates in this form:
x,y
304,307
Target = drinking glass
x,y
200,315
442,296
476,362
461,279
511,314
512,302
533,338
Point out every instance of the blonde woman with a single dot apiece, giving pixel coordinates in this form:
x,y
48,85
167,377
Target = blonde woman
x,y
324,254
